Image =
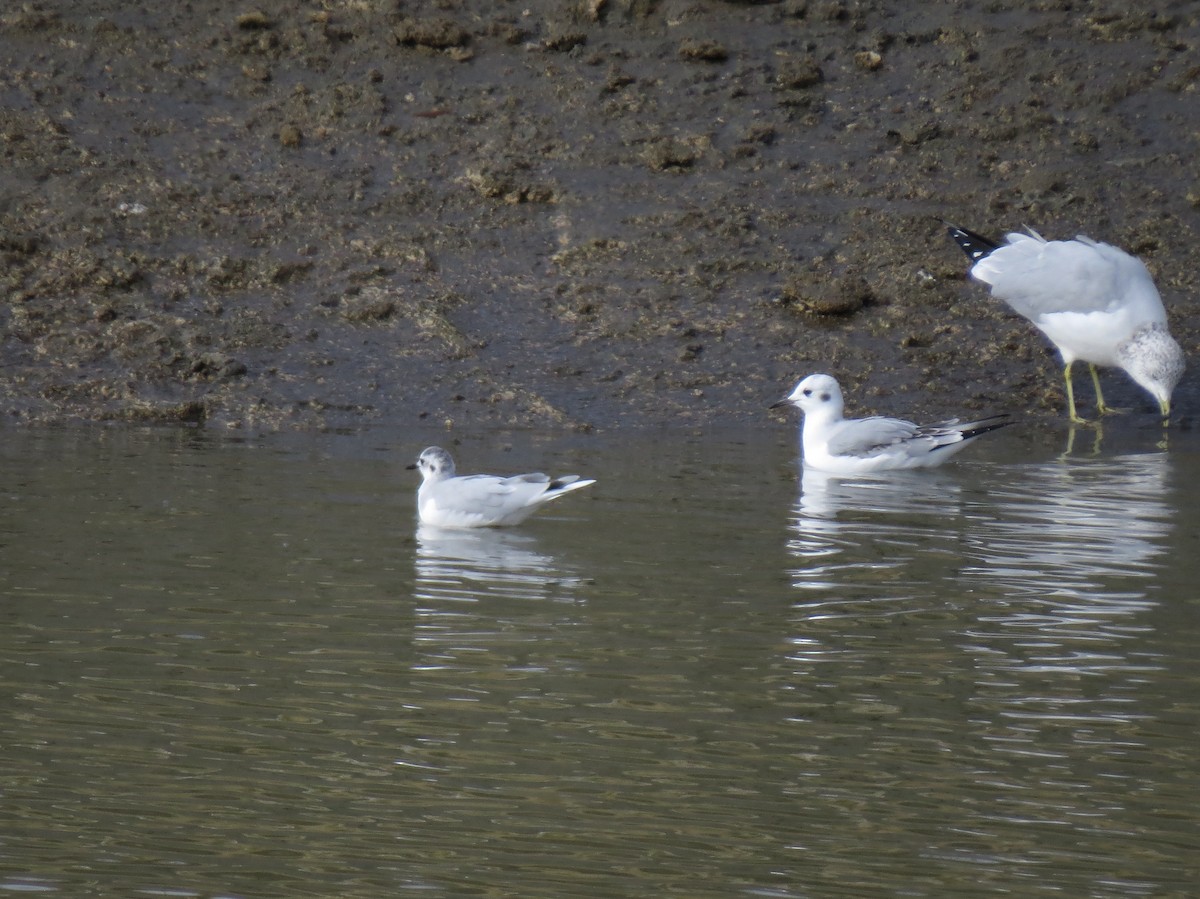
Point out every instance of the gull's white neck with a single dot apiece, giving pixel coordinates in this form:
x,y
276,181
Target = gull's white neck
x,y
817,424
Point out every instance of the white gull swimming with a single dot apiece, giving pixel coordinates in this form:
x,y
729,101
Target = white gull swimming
x,y
482,500
841,445
1095,302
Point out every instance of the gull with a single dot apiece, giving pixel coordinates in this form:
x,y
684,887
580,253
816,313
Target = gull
x,y
1095,302
482,500
840,445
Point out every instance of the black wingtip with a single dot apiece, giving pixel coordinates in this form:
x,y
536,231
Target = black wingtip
x,y
976,246
987,425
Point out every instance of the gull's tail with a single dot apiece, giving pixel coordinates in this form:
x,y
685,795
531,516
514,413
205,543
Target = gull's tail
x,y
976,246
955,434
565,484
972,429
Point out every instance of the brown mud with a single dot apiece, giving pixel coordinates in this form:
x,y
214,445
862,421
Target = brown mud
x,y
587,213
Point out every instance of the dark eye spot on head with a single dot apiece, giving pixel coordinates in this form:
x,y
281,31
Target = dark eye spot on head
x,y
825,397
808,391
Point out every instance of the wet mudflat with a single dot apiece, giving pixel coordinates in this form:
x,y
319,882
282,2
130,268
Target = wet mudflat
x,y
240,668
571,215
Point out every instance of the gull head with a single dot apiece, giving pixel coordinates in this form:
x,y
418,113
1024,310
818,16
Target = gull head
x,y
435,464
816,395
1154,360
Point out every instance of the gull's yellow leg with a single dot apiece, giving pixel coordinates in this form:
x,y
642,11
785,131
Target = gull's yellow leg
x,y
1099,395
1071,396
1101,406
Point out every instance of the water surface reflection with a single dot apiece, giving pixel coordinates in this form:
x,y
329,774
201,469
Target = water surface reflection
x,y
997,630
470,564
238,668
897,520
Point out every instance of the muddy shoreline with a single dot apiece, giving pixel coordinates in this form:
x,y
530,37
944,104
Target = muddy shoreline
x,y
595,214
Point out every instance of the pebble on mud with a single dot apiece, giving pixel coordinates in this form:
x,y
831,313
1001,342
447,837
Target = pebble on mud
x,y
290,136
760,133
187,412
214,366
798,74
841,296
669,156
368,308
434,34
702,50
253,20
870,60
915,341
565,41
917,132
507,184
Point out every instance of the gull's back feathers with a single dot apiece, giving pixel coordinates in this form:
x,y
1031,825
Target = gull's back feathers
x,y
1038,277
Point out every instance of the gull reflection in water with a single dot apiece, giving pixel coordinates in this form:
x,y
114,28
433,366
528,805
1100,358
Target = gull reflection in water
x,y
823,497
1061,578
868,548
472,564
1067,557
834,514
474,614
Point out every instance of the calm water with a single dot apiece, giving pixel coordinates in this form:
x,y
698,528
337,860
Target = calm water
x,y
237,668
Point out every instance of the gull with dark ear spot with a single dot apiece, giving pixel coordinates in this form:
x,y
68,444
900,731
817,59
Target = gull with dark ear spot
x,y
839,445
1096,303
447,500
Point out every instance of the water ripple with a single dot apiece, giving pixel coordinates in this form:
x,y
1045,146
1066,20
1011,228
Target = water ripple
x,y
972,683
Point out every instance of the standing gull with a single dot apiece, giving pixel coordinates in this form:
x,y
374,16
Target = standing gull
x,y
1096,303
840,445
482,500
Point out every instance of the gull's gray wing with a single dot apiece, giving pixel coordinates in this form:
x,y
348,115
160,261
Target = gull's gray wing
x,y
865,436
1038,277
479,492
